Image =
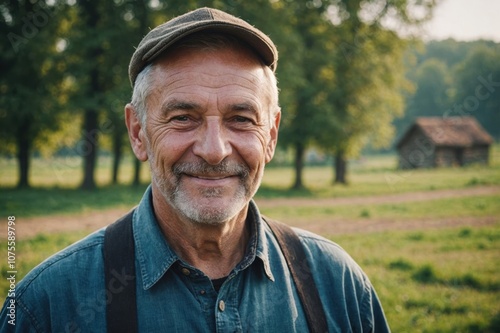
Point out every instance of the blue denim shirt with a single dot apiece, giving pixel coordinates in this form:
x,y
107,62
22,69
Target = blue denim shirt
x,y
66,293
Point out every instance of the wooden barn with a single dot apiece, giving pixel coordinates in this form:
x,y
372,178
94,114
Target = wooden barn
x,y
436,142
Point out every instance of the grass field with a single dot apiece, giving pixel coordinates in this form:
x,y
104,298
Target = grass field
x,y
429,280
434,280
55,182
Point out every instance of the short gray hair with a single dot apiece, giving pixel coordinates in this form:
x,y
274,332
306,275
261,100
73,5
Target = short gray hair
x,y
203,41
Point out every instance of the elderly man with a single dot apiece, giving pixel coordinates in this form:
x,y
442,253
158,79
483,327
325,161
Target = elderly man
x,y
196,255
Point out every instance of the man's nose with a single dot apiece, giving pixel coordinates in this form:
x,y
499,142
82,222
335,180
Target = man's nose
x,y
212,143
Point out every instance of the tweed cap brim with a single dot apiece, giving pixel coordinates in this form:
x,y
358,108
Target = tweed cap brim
x,y
165,35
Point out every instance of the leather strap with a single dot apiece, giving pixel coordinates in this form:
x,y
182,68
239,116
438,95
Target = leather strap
x,y
119,266
296,259
119,272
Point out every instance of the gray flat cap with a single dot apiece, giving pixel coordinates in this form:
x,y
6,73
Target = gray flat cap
x,y
165,35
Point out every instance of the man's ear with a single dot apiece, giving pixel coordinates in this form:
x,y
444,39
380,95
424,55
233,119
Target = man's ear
x,y
136,133
271,145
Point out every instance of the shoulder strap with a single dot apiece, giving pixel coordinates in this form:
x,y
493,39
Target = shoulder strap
x,y
295,257
119,268
121,308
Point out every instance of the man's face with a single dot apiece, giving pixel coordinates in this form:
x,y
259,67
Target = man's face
x,y
209,132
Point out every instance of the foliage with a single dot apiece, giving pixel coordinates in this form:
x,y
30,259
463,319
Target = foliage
x,y
365,91
432,94
449,51
31,88
454,79
341,72
478,88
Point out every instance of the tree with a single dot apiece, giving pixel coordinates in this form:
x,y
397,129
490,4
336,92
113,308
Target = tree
x,y
477,80
97,52
30,78
335,70
450,51
131,22
306,110
367,89
143,22
432,81
299,31
432,69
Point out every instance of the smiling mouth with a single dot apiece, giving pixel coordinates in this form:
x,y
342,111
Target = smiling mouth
x,y
205,177
211,181
210,178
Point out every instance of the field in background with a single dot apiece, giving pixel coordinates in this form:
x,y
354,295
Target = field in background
x,y
369,175
55,182
429,280
433,280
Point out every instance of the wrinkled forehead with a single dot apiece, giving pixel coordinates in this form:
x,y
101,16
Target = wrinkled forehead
x,y
228,70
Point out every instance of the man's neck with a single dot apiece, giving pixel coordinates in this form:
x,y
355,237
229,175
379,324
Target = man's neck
x,y
213,249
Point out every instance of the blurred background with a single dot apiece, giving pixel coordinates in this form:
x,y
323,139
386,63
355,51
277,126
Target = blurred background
x,y
388,142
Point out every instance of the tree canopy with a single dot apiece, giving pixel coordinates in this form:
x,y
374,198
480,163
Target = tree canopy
x,y
344,74
455,79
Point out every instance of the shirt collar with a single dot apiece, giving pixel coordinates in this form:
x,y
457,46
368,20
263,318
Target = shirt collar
x,y
262,248
152,251
155,257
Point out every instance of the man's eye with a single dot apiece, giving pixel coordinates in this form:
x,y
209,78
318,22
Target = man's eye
x,y
240,119
180,118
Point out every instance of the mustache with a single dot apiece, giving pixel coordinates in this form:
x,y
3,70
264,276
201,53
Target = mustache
x,y
202,168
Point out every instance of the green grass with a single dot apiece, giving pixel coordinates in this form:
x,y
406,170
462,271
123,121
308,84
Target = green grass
x,y
55,184
66,172
440,208
433,280
31,252
445,280
318,180
52,201
428,281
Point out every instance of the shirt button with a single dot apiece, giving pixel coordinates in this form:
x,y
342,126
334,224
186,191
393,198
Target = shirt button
x,y
222,306
202,292
185,271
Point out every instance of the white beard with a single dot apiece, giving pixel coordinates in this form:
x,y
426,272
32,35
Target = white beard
x,y
208,207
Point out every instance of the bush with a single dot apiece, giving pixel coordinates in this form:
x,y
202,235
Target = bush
x,y
425,274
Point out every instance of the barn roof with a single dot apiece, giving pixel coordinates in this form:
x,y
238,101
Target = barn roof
x,y
450,131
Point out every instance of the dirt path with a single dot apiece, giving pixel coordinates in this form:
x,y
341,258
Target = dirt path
x,y
332,227
30,227
382,199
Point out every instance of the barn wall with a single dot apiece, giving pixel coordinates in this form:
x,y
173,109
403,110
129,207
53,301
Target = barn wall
x,y
457,156
478,154
417,151
446,156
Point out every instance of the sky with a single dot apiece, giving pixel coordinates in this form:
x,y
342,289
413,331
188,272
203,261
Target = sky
x,y
465,20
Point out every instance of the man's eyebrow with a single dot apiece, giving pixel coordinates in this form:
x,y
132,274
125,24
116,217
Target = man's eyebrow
x,y
243,107
178,105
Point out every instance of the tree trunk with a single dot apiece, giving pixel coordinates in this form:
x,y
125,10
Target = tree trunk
x,y
90,139
340,168
299,166
91,119
137,172
117,155
142,13
23,157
